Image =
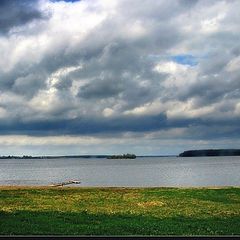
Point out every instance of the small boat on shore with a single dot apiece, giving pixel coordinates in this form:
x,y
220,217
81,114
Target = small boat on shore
x,y
65,183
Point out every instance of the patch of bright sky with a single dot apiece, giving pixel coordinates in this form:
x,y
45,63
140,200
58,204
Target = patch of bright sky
x,y
184,59
65,0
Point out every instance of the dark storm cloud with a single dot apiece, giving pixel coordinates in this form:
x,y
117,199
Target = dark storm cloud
x,y
100,89
85,125
206,92
14,13
213,131
25,83
214,82
118,65
29,85
196,129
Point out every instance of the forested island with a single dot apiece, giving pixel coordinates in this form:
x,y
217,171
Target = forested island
x,y
124,156
210,152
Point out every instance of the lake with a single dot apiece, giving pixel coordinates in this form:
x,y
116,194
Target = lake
x,y
139,172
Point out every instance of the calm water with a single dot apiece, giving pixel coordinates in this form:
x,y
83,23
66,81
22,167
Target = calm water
x,y
147,172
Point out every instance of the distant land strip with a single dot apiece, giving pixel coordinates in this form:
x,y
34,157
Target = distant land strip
x,y
75,156
51,157
210,152
188,153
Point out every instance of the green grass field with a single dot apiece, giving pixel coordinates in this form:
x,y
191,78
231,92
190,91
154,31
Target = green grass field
x,y
119,211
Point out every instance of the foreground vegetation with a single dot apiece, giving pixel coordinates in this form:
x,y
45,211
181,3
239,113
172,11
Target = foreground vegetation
x,y
119,211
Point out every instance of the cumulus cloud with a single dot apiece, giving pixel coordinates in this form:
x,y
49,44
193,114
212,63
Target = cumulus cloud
x,y
120,67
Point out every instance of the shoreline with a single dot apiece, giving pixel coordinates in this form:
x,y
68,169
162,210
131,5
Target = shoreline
x,y
113,187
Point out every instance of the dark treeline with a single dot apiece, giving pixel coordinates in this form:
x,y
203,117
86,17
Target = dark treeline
x,y
210,152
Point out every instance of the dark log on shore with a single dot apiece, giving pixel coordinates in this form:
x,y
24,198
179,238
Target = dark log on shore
x,y
65,183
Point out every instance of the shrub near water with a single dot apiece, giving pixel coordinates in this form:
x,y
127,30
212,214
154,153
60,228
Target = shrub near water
x,y
119,211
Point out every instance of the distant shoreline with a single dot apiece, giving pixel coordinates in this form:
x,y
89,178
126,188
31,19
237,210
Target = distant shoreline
x,y
187,153
16,187
75,156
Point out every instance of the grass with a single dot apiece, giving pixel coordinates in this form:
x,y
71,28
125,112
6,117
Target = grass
x,y
119,211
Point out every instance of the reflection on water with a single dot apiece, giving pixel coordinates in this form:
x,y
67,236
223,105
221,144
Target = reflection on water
x,y
147,172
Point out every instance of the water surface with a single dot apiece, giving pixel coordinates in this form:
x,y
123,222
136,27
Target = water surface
x,y
139,172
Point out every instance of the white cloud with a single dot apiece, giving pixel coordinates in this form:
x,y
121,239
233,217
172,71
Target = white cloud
x,y
152,108
179,75
233,65
212,25
188,110
107,112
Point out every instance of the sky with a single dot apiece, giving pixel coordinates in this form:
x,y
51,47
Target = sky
x,y
118,76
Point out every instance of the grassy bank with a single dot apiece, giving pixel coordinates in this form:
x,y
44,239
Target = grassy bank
x,y
119,211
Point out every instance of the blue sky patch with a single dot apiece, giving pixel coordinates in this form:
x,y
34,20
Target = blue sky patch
x,y
185,59
66,0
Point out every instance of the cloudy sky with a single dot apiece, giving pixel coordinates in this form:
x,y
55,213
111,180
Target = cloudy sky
x,y
114,76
